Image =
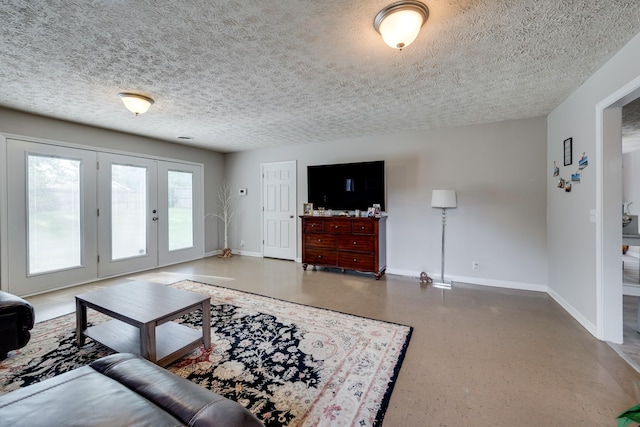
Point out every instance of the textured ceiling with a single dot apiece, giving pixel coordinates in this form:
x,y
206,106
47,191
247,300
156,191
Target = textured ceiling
x,y
238,75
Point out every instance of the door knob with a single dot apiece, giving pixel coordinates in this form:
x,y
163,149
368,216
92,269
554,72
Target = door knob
x,y
155,218
290,216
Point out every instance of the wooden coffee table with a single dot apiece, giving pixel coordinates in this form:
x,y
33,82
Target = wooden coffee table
x,y
142,314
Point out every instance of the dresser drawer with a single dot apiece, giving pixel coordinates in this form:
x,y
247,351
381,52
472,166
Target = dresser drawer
x,y
337,226
320,240
311,225
356,243
363,226
356,261
320,257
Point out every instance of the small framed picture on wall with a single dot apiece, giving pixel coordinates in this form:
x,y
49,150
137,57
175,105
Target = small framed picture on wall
x,y
568,151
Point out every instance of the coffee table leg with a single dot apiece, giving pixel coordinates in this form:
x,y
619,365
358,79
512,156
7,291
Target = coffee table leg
x,y
206,324
81,322
148,341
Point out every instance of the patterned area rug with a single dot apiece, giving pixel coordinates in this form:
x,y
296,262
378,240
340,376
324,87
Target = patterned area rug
x,y
290,364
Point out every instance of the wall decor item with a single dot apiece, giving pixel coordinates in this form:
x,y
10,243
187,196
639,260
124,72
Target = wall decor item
x,y
584,161
568,147
567,187
556,169
575,177
561,183
307,208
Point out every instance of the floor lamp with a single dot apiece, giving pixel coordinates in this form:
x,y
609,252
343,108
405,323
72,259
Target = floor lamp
x,y
443,199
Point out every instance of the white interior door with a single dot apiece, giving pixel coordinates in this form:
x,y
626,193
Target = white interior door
x,y
51,216
181,223
279,210
128,214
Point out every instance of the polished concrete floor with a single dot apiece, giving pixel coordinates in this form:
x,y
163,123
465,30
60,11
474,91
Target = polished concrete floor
x,y
478,356
630,348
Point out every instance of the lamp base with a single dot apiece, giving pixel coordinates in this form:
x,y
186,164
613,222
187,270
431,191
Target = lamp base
x,y
442,285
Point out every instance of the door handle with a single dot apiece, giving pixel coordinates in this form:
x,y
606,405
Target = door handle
x,y
290,216
155,218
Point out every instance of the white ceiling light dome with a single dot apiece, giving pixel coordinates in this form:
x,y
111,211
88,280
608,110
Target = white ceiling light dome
x,y
399,23
137,104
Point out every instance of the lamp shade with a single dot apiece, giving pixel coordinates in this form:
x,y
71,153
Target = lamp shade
x,y
137,104
443,199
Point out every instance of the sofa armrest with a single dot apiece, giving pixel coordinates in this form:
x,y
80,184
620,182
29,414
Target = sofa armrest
x,y
10,303
187,401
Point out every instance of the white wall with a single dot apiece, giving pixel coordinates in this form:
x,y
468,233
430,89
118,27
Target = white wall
x,y
574,258
497,170
27,125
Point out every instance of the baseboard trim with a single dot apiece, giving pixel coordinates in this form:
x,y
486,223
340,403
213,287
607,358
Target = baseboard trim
x,y
473,280
574,313
247,253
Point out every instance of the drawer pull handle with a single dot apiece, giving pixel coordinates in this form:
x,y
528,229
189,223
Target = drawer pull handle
x,y
355,243
336,226
362,228
319,240
355,259
319,256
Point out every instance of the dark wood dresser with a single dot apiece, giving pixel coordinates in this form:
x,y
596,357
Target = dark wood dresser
x,y
348,243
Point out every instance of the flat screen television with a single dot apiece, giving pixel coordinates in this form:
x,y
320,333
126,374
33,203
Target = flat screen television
x,y
346,186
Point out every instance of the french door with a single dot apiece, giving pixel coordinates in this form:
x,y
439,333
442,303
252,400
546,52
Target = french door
x,y
181,229
150,213
75,215
51,218
127,215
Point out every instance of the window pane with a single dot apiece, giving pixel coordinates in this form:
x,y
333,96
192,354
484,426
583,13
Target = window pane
x,y
54,222
180,210
128,211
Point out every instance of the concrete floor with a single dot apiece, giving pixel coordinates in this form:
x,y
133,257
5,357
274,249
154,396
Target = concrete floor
x,y
479,356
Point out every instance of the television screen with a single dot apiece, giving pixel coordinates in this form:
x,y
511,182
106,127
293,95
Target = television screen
x,y
346,186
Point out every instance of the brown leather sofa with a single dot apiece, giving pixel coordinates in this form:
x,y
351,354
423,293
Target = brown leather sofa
x,y
120,390
16,320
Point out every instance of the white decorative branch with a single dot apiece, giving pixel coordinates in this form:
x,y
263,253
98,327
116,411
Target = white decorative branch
x,y
225,211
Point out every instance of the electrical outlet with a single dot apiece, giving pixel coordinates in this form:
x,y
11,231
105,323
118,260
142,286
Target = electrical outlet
x,y
242,243
475,265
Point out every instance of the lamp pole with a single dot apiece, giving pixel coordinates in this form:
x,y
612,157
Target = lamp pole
x,y
442,283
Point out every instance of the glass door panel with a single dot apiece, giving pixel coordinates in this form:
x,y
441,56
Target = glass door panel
x,y
180,185
128,211
54,213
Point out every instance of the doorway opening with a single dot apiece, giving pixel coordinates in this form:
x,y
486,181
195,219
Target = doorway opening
x,y
609,192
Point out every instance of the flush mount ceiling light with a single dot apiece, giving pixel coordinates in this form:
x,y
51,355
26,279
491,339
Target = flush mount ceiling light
x,y
400,22
137,104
